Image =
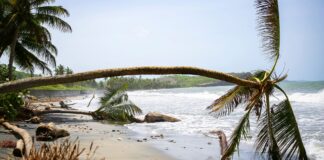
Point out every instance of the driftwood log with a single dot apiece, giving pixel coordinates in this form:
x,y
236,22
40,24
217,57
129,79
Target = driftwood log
x,y
49,132
27,139
153,117
222,140
19,149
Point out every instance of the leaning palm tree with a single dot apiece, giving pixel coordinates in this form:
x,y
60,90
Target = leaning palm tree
x,y
279,136
116,106
29,16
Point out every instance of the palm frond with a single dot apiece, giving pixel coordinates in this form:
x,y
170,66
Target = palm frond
x,y
52,10
28,61
113,96
269,26
241,130
266,141
229,101
123,111
54,22
287,131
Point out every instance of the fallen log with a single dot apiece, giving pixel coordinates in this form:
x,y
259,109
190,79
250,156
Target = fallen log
x,y
27,139
19,149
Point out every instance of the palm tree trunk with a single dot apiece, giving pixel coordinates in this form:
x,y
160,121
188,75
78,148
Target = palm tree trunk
x,y
12,55
147,70
1,51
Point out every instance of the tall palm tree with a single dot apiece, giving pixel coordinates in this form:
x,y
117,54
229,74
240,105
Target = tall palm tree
x,y
279,136
29,16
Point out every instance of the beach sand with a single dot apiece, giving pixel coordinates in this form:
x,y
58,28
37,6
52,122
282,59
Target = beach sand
x,y
112,141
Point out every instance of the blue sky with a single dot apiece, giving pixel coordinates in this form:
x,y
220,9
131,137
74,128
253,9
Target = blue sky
x,y
213,34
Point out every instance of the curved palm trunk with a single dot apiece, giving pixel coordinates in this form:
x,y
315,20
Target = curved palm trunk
x,y
147,70
12,55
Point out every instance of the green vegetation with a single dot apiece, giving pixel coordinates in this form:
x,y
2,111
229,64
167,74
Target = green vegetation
x,y
171,81
61,87
10,103
116,106
62,70
28,42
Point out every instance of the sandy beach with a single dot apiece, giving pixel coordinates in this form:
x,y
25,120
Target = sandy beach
x,y
112,141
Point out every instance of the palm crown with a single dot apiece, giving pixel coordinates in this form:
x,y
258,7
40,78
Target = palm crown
x,y
278,136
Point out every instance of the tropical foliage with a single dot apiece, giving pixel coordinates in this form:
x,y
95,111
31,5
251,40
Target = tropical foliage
x,y
116,106
279,136
27,41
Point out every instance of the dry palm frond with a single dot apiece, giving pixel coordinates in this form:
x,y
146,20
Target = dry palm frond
x,y
269,26
65,150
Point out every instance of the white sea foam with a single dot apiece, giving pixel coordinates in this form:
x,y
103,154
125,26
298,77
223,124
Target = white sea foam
x,y
308,97
189,105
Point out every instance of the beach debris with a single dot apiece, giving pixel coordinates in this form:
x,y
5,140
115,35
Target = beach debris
x,y
28,141
49,132
19,148
34,120
139,140
144,139
222,140
172,141
66,106
7,144
119,139
209,143
152,117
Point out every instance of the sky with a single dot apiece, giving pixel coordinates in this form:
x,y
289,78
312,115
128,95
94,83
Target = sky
x,y
212,34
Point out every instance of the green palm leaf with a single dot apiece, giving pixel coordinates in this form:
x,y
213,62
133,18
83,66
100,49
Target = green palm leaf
x,y
54,22
266,141
229,101
115,105
287,131
28,61
269,26
241,130
52,10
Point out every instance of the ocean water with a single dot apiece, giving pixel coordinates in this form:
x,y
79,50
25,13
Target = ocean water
x,y
192,132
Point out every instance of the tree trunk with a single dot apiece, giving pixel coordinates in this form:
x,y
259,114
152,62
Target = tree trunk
x,y
148,70
22,133
12,55
1,51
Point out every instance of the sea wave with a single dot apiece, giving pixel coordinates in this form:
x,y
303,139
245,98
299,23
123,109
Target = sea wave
x,y
317,97
201,95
